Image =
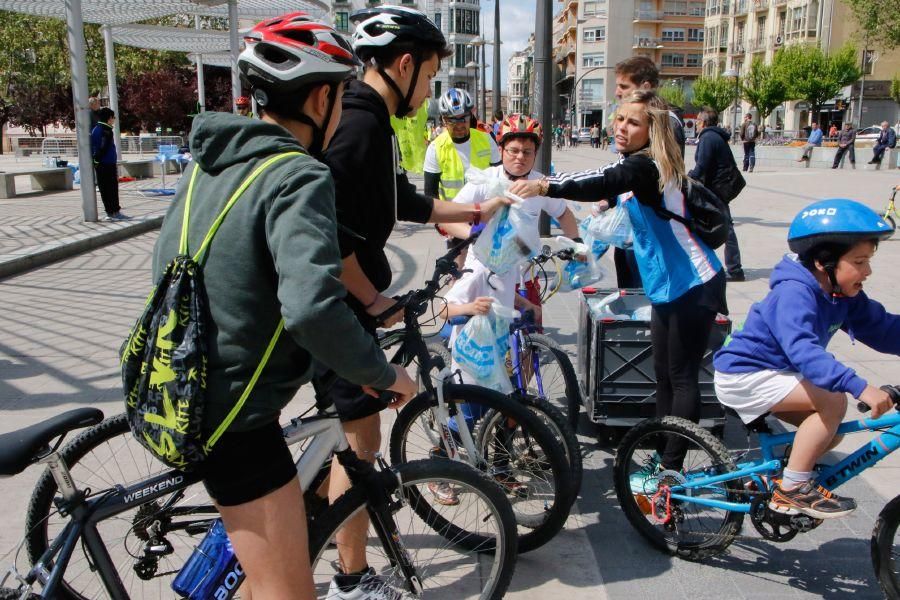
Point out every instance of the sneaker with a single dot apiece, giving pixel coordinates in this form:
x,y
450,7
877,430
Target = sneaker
x,y
644,480
120,217
812,500
737,276
443,493
510,484
370,587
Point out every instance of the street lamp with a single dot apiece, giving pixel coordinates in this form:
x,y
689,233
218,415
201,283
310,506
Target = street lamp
x,y
474,65
733,73
480,42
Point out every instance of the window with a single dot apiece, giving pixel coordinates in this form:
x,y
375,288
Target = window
x,y
462,85
519,70
694,60
675,8
462,54
437,88
437,20
595,34
797,18
594,59
342,21
596,7
694,34
464,21
592,92
673,35
672,60
695,9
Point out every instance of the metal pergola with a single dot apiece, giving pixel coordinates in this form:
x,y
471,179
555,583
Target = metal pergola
x,y
122,12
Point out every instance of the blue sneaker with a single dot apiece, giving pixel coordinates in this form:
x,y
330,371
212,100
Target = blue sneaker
x,y
644,480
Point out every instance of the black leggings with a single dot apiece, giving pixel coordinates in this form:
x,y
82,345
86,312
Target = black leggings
x,y
679,332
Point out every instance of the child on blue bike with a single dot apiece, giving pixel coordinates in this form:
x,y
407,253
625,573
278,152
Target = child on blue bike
x,y
777,363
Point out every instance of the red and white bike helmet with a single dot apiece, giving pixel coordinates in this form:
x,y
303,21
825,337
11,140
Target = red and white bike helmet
x,y
520,126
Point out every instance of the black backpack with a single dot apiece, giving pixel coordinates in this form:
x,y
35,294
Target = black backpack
x,y
708,216
164,359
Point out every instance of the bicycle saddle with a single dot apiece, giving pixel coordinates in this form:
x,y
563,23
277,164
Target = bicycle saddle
x,y
21,448
757,425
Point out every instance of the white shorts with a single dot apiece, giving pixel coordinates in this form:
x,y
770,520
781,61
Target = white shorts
x,y
754,394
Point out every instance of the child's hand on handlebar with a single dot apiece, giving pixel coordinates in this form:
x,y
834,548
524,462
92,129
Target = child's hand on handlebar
x,y
878,400
404,388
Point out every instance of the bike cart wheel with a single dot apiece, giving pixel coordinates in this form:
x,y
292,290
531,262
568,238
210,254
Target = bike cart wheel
x,y
539,480
460,551
886,549
550,375
677,527
101,458
890,221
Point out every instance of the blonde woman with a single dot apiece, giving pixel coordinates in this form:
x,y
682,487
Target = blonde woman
x,y
683,278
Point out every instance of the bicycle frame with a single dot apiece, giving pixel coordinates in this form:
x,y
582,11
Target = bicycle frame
x,y
829,476
327,436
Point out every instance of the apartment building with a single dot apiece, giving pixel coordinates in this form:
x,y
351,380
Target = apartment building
x,y
518,76
460,20
738,31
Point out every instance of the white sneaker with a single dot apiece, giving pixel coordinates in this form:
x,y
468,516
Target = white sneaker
x,y
371,587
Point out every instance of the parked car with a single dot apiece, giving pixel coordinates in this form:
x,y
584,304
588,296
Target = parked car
x,y
868,133
584,135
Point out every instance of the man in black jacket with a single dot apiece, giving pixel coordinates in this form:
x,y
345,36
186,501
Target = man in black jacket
x,y
402,50
714,156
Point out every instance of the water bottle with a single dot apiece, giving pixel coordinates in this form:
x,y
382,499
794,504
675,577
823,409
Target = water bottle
x,y
212,565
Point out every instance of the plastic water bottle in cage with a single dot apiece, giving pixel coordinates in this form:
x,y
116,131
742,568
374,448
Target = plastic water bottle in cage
x,y
212,571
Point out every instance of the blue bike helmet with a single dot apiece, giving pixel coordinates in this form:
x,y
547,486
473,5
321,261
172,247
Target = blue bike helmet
x,y
826,230
835,221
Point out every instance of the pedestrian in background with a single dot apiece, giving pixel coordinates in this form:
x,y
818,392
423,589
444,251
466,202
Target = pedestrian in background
x,y
94,105
832,132
749,133
887,138
103,152
813,141
715,162
846,141
595,136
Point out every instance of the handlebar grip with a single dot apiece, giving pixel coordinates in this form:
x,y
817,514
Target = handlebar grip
x,y
892,390
862,407
459,320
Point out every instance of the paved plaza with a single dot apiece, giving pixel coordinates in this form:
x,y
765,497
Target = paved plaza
x,y
62,323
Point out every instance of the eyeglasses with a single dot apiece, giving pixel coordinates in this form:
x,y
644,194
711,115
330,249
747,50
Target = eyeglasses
x,y
515,152
463,119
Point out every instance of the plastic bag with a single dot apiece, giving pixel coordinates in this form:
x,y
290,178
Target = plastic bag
x,y
480,348
612,226
578,274
509,239
602,308
493,186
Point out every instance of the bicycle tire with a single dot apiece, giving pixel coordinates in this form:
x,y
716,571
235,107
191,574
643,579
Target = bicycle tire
x,y
415,430
111,438
555,420
565,397
709,543
499,548
890,221
885,560
11,594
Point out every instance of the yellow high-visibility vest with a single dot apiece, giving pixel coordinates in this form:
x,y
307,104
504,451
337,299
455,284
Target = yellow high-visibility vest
x,y
453,176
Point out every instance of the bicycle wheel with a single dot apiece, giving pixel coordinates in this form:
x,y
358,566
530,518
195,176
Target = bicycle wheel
x,y
462,551
101,458
886,549
543,484
679,528
552,418
890,221
549,374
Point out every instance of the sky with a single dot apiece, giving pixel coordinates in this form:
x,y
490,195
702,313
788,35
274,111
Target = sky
x,y
517,22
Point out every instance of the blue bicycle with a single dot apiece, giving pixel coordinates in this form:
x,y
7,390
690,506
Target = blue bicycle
x,y
697,510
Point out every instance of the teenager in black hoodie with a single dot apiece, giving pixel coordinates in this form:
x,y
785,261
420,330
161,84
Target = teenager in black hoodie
x,y
402,50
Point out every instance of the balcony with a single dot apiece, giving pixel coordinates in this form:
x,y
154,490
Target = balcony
x,y
737,48
757,45
644,42
741,8
760,5
648,16
675,71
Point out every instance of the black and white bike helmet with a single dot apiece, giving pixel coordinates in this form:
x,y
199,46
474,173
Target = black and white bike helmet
x,y
286,56
455,103
381,27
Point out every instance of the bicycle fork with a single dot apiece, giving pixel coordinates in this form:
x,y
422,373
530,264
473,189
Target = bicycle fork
x,y
442,414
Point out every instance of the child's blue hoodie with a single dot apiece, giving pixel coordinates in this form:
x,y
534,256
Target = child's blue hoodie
x,y
790,328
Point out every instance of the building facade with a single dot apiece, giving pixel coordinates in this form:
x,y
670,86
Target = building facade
x,y
517,77
738,31
460,20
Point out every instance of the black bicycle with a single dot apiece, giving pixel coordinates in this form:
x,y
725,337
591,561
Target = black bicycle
x,y
522,441
107,520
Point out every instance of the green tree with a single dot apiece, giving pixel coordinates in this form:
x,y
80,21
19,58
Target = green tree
x,y
895,89
672,93
814,76
715,92
878,22
763,88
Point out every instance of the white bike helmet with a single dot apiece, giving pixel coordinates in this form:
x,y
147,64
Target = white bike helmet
x,y
455,103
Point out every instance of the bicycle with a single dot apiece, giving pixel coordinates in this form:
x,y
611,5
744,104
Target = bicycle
x,y
518,446
697,511
890,212
138,527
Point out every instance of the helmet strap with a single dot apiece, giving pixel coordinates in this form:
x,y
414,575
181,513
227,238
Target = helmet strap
x,y
318,131
403,106
835,288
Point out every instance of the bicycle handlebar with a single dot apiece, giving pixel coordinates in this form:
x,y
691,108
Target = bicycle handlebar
x,y
892,390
